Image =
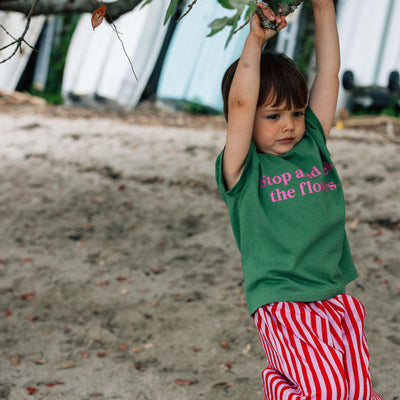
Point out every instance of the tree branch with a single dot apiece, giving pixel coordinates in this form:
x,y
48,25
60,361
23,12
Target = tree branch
x,y
47,7
18,42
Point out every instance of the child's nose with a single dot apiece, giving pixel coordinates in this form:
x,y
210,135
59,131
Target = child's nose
x,y
288,125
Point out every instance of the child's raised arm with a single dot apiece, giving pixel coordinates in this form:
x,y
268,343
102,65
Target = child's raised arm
x,y
325,89
243,97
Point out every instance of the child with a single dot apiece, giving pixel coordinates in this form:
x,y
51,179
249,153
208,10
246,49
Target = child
x,y
286,206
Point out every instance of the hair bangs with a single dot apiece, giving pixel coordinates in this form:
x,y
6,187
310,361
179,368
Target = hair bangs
x,y
281,83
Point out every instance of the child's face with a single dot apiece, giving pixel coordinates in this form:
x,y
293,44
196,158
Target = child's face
x,y
277,129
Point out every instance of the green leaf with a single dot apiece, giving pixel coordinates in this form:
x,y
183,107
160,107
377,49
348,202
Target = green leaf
x,y
231,33
225,4
239,4
218,24
171,10
250,10
145,3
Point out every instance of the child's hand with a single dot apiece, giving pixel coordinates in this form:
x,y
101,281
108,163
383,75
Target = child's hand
x,y
266,34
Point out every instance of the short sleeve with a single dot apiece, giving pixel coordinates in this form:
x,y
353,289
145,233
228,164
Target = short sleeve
x,y
314,127
219,174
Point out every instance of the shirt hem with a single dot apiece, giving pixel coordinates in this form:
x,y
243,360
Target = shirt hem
x,y
302,297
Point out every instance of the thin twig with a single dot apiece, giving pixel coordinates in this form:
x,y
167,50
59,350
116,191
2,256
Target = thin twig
x,y
190,6
114,28
21,39
123,48
241,27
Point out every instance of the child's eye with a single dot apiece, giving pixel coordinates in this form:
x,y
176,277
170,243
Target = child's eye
x,y
298,114
273,116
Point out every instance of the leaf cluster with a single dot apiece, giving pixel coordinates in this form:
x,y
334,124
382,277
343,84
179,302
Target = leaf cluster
x,y
242,11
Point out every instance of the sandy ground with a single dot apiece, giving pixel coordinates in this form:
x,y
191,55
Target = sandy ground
x,y
119,275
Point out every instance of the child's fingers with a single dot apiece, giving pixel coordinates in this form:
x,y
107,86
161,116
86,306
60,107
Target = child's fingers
x,y
282,24
269,13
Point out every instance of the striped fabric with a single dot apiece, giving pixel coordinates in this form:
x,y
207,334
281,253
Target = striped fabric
x,y
315,351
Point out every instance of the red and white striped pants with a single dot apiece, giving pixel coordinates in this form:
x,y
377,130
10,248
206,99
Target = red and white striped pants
x,y
315,351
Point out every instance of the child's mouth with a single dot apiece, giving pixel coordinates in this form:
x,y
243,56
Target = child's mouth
x,y
286,140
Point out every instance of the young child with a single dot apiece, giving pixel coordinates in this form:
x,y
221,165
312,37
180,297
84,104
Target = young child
x,y
286,207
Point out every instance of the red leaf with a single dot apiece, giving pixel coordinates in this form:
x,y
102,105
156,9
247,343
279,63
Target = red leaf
x,y
28,296
54,384
8,313
99,284
157,271
14,360
101,354
184,382
31,390
97,16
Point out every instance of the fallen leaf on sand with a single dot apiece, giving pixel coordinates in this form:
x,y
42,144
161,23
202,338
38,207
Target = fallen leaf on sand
x,y
184,382
354,224
67,366
31,390
157,271
28,296
140,367
136,350
223,384
54,384
105,283
246,350
14,360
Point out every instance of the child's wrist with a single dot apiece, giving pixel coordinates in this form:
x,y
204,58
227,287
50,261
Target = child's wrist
x,y
321,5
259,41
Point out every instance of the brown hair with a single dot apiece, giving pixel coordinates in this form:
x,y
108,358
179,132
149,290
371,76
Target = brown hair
x,y
279,76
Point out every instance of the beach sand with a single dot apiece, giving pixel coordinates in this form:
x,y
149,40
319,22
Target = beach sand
x,y
119,274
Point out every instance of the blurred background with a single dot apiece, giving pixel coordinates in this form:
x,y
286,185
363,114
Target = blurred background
x,y
178,64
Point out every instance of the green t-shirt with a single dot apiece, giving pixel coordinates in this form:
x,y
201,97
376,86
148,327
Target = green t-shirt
x,y
288,218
